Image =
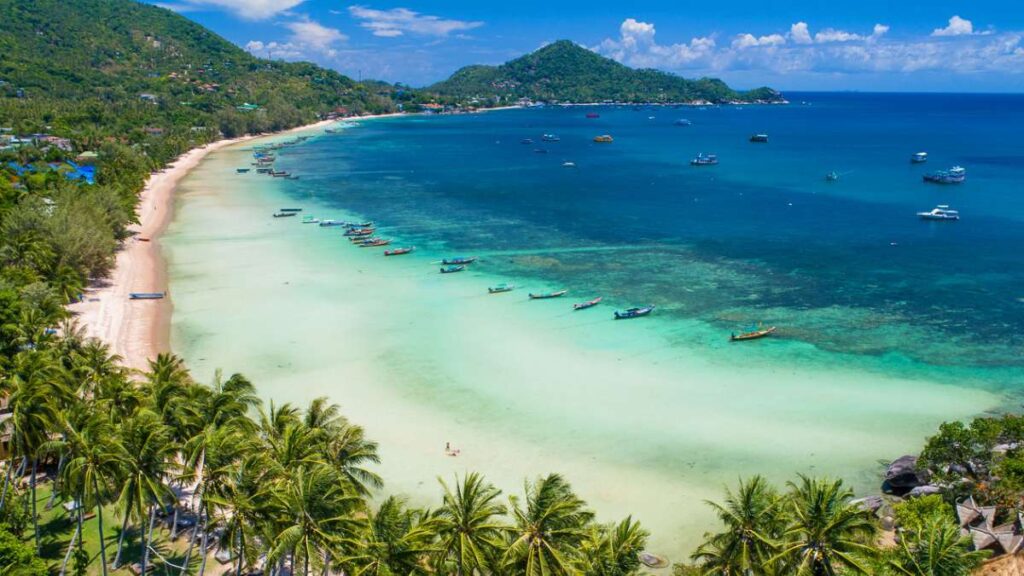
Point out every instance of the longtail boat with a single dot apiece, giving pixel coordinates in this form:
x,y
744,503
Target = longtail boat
x,y
242,170
283,214
452,269
501,288
146,295
458,260
290,209
328,223
634,312
359,231
603,139
399,251
359,224
375,243
546,295
587,304
753,333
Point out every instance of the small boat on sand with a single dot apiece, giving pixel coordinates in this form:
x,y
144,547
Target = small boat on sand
x,y
634,312
146,295
452,269
587,304
604,139
752,333
501,288
399,251
940,212
759,138
458,260
546,295
283,214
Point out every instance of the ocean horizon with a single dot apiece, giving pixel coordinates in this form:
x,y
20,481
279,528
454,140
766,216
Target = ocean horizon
x,y
887,324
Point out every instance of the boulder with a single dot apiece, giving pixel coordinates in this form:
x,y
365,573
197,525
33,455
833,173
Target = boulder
x,y
902,475
925,490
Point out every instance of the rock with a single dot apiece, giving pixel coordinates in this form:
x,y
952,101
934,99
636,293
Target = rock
x,y
870,503
887,522
925,490
902,475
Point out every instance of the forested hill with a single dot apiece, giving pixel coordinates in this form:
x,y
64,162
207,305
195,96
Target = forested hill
x,y
117,66
566,72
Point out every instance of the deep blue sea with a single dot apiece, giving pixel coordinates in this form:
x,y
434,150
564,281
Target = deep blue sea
x,y
845,266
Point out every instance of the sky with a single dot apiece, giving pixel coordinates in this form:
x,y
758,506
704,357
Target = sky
x,y
866,45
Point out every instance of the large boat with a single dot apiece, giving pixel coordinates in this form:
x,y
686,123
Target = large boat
x,y
683,122
501,288
452,269
550,138
458,260
955,175
703,159
546,295
919,158
587,304
752,333
399,251
593,115
760,138
604,139
283,214
633,312
940,212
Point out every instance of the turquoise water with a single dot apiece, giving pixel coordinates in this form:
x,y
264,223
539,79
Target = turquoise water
x,y
887,325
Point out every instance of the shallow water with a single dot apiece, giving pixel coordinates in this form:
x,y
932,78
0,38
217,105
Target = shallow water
x,y
888,325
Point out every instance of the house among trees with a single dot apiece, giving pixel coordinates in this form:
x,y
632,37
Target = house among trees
x,y
979,522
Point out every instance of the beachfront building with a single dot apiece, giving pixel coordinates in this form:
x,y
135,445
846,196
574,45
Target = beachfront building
x,y
979,522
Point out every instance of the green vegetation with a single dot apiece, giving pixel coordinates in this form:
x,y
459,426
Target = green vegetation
x,y
566,72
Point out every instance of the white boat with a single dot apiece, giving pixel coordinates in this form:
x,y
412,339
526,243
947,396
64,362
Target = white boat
x,y
568,164
919,158
940,212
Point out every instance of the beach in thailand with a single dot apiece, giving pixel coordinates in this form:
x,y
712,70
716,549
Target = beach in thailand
x,y
887,325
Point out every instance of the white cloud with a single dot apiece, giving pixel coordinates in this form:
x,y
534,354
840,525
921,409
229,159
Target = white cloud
x,y
398,21
247,9
800,34
833,35
307,40
749,40
637,47
879,30
957,27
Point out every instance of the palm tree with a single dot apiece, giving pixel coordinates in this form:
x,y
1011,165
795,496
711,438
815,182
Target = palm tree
x,y
95,455
934,547
349,451
319,518
612,550
243,503
468,525
753,521
548,529
148,454
825,531
395,543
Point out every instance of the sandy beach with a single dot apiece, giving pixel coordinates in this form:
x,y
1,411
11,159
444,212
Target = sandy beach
x,y
138,330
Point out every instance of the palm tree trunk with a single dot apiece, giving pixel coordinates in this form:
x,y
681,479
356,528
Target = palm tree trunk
x,y
53,491
81,521
327,563
147,539
71,546
241,551
99,516
191,544
202,548
35,516
7,483
120,539
174,522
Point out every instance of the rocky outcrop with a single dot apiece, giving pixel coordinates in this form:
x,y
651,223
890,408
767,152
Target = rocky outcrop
x,y
902,476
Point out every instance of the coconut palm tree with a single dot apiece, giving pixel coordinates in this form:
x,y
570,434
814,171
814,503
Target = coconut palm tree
x,y
350,451
319,518
396,542
612,550
825,531
242,503
934,547
549,528
468,526
148,454
753,521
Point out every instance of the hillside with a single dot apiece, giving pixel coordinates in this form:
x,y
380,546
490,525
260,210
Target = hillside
x,y
566,72
118,65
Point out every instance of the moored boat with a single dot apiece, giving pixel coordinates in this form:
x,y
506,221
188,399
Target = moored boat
x,y
526,141
760,138
310,220
358,224
568,164
752,333
683,122
501,288
328,223
278,173
146,295
458,260
955,175
919,158
359,232
604,139
940,212
452,269
587,304
290,209
399,251
550,138
242,170
832,176
546,295
634,312
703,159
374,243
283,214
593,115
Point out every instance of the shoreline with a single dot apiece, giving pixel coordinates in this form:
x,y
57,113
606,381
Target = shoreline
x,y
139,330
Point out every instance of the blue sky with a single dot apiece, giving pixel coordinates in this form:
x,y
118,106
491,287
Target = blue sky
x,y
796,45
